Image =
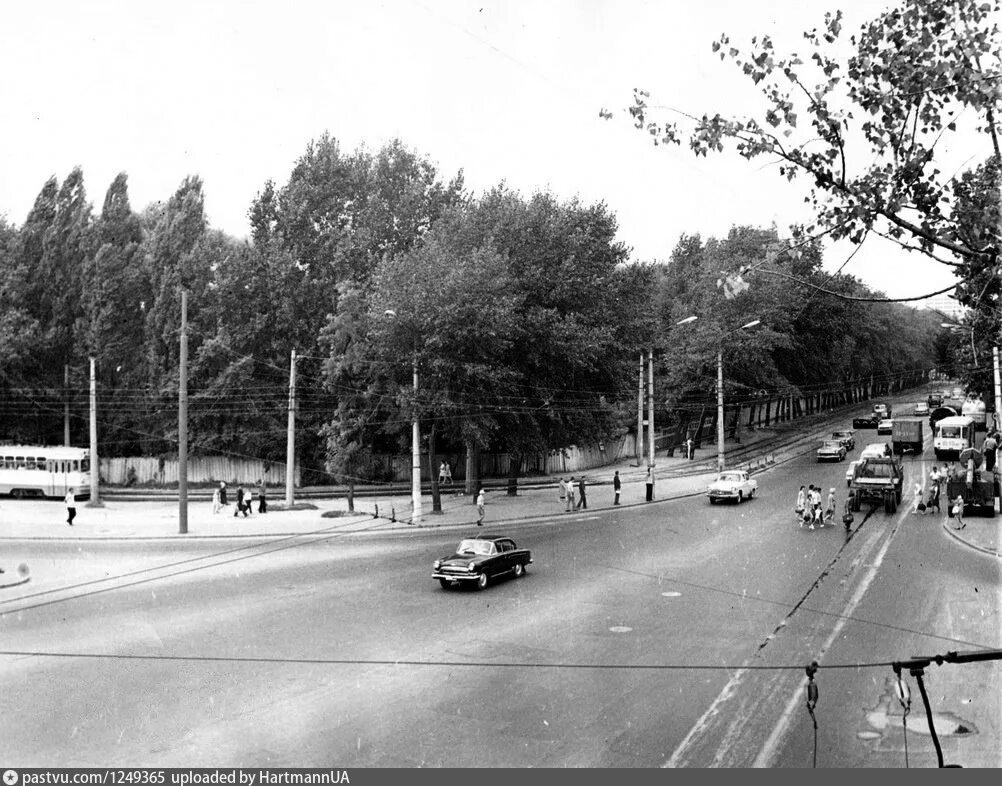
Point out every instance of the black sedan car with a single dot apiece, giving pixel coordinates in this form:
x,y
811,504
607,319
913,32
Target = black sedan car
x,y
481,560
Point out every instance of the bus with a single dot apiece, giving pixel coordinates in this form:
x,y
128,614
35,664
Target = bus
x,y
33,471
953,435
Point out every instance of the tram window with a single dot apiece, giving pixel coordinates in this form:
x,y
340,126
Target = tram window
x,y
19,462
85,465
40,462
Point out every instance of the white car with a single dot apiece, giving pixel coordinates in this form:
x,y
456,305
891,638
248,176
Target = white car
x,y
922,408
876,450
831,449
885,426
732,484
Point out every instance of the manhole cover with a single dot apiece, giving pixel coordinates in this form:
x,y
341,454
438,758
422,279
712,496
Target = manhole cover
x,y
671,594
620,629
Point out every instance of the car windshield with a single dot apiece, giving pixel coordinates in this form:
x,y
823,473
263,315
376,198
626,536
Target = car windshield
x,y
950,432
730,477
831,445
479,547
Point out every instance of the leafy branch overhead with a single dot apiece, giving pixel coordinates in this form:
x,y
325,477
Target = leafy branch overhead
x,y
869,132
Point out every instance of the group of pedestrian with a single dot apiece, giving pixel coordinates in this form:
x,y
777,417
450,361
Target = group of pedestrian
x,y
245,499
809,510
568,489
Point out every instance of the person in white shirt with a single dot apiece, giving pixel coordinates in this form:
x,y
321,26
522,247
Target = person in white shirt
x,y
71,506
480,508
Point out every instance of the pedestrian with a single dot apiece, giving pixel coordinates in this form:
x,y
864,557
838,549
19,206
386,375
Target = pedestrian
x,y
689,448
650,484
480,508
71,506
990,446
222,494
215,501
240,503
563,489
801,502
616,487
958,512
445,474
934,497
262,498
917,504
570,495
830,507
583,501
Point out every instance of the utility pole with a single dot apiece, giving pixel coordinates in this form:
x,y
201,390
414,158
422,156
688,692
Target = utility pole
x,y
640,414
720,410
650,407
66,405
998,387
182,422
415,455
290,439
95,464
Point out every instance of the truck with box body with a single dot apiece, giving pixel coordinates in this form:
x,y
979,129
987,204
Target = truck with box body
x,y
908,434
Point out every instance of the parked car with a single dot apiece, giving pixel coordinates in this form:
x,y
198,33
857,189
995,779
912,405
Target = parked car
x,y
847,437
876,450
851,470
885,426
733,484
481,560
831,450
921,408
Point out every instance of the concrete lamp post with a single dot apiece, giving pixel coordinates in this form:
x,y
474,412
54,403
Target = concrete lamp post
x,y
415,444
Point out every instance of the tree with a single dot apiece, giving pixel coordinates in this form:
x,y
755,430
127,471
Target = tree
x,y
866,132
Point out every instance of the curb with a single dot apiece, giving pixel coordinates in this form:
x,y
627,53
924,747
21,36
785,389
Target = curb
x,y
953,534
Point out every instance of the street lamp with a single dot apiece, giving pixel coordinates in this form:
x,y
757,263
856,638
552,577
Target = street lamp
x,y
415,443
720,393
953,326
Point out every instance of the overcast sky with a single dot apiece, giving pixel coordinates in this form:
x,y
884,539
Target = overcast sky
x,y
233,92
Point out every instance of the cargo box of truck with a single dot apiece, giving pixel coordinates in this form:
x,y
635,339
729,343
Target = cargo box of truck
x,y
907,434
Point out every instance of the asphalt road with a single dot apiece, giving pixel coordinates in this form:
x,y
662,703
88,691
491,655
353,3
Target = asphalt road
x,y
674,634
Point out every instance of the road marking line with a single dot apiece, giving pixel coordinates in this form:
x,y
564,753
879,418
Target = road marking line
x,y
769,749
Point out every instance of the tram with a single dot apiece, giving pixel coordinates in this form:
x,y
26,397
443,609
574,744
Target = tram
x,y
34,471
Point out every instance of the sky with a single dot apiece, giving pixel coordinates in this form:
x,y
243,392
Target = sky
x,y
234,92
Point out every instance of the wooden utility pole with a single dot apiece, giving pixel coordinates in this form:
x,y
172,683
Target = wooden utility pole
x,y
182,422
66,405
290,437
650,407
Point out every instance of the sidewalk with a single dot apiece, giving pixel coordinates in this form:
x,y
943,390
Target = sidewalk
x,y
537,499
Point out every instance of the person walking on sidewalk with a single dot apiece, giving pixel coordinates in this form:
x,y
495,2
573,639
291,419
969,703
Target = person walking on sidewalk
x,y
222,494
616,487
71,506
649,482
570,495
215,501
241,505
958,512
563,489
583,501
481,504
690,451
262,498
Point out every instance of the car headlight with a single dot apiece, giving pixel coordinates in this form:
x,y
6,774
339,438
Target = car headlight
x,y
437,564
471,565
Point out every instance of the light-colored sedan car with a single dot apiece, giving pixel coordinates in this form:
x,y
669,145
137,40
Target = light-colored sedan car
x,y
885,426
732,484
922,408
876,450
831,450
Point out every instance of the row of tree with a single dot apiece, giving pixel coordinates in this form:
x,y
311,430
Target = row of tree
x,y
523,317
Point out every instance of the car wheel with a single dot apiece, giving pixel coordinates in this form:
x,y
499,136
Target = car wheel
x,y
519,570
713,501
741,497
482,581
445,583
